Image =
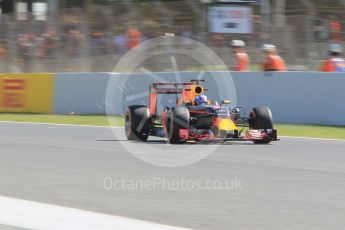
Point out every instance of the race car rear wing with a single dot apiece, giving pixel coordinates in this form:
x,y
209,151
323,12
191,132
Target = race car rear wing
x,y
169,88
164,88
177,88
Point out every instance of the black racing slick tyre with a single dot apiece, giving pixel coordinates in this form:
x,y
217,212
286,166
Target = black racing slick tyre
x,y
261,118
179,119
137,119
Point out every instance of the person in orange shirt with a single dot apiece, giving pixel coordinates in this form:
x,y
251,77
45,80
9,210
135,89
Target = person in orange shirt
x,y
134,37
241,59
334,63
335,29
273,62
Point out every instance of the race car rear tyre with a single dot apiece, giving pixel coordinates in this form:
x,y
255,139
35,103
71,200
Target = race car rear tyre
x,y
261,118
179,119
137,123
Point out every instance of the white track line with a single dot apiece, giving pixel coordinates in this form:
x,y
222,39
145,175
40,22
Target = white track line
x,y
313,138
41,123
95,126
35,215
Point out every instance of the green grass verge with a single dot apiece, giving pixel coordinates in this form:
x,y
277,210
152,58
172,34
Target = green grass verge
x,y
317,131
100,120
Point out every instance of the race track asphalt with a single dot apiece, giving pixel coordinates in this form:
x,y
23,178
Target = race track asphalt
x,y
291,184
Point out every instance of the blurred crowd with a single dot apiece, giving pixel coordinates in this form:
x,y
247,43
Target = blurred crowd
x,y
328,28
72,42
76,43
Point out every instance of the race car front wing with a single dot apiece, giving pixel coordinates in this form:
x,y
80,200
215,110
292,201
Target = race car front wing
x,y
250,135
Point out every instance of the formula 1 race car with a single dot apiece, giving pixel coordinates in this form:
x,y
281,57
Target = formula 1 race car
x,y
195,120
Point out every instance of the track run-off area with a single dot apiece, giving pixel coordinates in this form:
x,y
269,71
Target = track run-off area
x,y
83,177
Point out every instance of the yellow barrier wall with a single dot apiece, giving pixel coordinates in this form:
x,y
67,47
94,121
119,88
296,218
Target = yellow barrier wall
x,y
30,93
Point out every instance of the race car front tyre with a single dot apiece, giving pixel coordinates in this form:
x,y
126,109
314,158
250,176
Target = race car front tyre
x,y
137,123
179,119
261,118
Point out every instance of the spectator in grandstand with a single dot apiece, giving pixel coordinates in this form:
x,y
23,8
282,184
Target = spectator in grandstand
x,y
3,57
120,42
335,28
74,43
335,63
48,45
320,29
272,62
133,37
3,51
241,59
99,44
257,26
25,42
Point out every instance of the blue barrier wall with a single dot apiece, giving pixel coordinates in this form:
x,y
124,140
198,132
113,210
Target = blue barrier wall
x,y
294,97
81,93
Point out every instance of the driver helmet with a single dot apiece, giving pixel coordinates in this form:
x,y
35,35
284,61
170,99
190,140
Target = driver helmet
x,y
201,99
